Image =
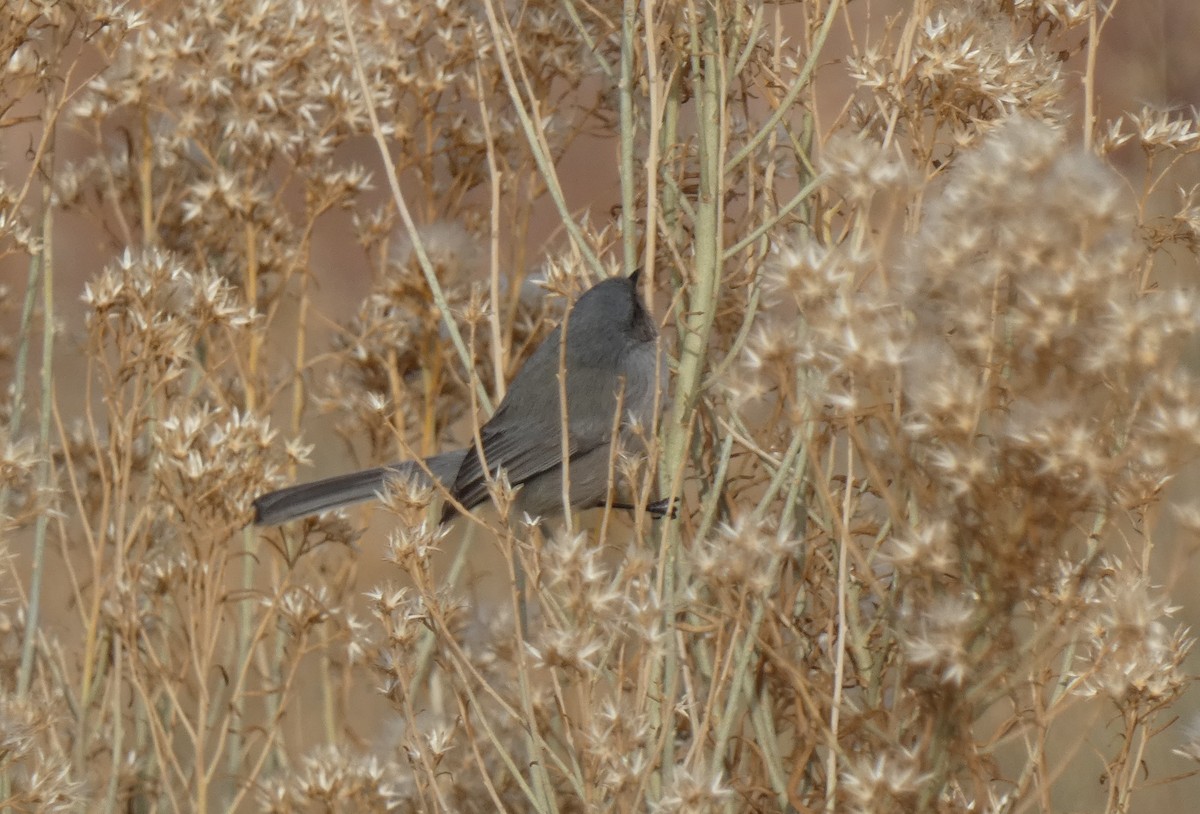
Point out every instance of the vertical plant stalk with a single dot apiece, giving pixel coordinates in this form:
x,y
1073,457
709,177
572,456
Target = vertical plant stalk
x,y
839,654
696,324
494,185
660,701
1089,78
245,624
627,136
653,124
21,362
45,470
41,158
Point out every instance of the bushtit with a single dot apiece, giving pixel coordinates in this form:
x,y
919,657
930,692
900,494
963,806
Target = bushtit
x,y
612,364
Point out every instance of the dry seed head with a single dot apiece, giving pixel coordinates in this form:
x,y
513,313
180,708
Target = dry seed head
x,y
1189,743
943,393
439,740
616,740
694,791
935,637
622,772
846,331
742,557
631,466
1187,218
402,616
574,566
806,272
408,498
302,608
152,311
859,168
887,780
49,787
38,781
1031,355
926,549
1068,13
163,572
617,733
411,547
1049,219
1166,130
1114,136
1133,656
451,247
14,229
359,639
18,468
971,65
573,651
20,723
502,493
205,460
569,276
332,778
297,453
773,346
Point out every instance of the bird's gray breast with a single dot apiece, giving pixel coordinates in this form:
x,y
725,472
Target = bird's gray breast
x,y
645,374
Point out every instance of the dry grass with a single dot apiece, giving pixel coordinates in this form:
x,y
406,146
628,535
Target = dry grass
x,y
930,327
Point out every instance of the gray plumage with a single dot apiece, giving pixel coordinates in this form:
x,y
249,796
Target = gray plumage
x,y
611,357
325,495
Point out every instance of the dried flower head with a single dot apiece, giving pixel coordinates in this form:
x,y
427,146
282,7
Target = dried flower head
x,y
1134,656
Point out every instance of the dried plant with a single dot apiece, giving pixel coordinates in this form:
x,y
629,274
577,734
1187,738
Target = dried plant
x,y
933,408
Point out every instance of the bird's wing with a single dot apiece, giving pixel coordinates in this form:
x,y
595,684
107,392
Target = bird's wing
x,y
525,449
522,455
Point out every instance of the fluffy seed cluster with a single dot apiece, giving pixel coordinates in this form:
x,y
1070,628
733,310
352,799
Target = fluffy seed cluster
x,y
970,65
1011,390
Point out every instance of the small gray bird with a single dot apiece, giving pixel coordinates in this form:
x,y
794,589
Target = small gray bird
x,y
612,362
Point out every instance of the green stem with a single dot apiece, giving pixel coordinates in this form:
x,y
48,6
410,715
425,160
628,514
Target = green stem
x,y
45,473
697,320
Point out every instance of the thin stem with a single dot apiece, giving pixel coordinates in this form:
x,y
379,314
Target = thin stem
x,y
798,85
494,179
839,653
45,469
531,123
627,135
410,226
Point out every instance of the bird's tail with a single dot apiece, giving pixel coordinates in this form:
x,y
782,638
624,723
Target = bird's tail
x,y
304,499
